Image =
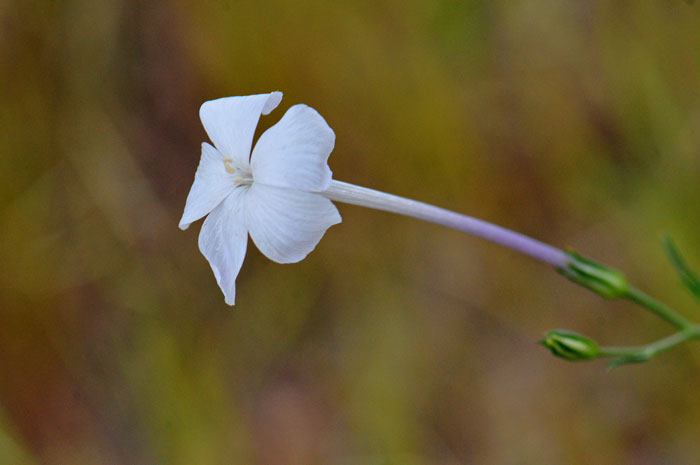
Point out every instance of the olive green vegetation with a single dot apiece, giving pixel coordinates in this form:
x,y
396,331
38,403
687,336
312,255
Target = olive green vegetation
x,y
394,342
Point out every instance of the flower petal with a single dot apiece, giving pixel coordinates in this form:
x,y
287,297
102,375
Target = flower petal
x,y
294,152
231,122
211,186
223,241
286,224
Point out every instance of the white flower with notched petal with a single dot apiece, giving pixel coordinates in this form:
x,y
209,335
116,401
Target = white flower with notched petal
x,y
273,193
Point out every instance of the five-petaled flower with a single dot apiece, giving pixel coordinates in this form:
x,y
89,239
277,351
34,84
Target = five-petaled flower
x,y
272,193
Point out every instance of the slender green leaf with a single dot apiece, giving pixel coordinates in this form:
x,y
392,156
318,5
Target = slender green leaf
x,y
688,277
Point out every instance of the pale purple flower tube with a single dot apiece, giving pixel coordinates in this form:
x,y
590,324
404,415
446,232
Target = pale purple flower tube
x,y
357,195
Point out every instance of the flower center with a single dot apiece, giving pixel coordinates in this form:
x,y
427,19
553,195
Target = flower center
x,y
243,174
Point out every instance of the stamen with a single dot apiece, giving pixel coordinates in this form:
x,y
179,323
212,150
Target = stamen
x,y
227,163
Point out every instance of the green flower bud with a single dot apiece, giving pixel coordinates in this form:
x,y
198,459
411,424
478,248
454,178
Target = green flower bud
x,y
600,278
570,345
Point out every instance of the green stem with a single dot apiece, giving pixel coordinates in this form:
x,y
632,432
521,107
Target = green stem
x,y
647,351
659,308
610,283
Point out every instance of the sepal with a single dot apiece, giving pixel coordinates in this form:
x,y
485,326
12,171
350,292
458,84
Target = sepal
x,y
601,279
570,345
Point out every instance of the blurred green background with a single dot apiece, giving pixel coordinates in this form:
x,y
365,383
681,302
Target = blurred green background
x,y
395,341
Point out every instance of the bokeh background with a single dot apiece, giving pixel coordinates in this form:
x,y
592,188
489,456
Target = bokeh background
x,y
395,341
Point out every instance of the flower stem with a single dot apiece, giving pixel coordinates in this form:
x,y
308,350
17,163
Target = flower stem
x,y
643,353
659,308
357,195
651,349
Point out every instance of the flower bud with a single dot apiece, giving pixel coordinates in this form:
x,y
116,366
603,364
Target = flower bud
x,y
600,278
570,345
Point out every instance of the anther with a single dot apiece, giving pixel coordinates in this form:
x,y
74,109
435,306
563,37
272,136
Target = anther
x,y
227,163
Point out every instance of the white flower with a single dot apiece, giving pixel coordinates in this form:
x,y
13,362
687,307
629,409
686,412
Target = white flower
x,y
273,193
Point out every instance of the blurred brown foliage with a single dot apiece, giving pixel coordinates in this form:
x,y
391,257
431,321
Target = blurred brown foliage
x,y
577,122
